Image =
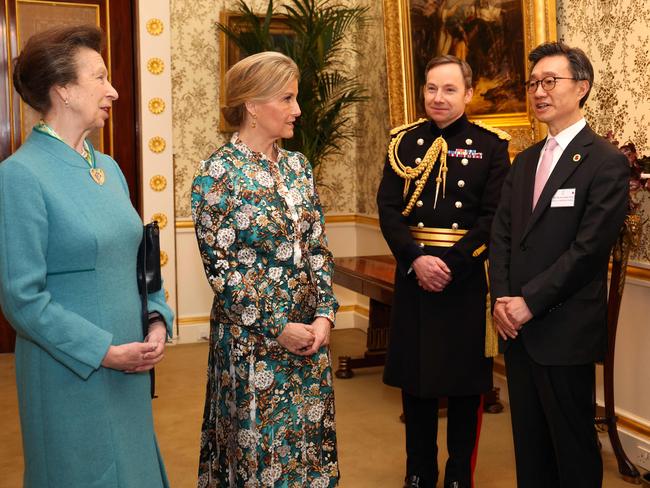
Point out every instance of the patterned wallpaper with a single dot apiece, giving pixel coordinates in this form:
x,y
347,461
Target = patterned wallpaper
x,y
615,36
613,32
195,78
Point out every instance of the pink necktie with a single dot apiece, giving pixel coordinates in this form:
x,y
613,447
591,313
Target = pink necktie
x,y
544,170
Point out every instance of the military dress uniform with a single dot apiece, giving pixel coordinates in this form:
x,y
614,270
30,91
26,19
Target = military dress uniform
x,y
438,194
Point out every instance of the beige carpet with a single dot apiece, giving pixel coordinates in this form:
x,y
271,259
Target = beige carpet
x,y
370,435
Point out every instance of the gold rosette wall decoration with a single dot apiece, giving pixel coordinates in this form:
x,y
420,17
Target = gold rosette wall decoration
x,y
155,66
163,258
155,27
158,183
157,144
161,218
156,106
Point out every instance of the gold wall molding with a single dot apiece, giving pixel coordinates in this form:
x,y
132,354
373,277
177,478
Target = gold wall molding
x,y
155,66
184,224
637,272
356,308
194,320
161,218
329,219
155,27
352,218
157,144
164,258
158,183
156,106
633,425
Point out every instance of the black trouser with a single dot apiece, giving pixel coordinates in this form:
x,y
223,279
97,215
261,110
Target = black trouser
x,y
552,407
463,423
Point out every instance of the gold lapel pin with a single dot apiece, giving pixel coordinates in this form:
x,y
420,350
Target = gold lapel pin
x,y
576,158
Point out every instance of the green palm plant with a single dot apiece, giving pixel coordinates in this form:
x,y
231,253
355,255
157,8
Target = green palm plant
x,y
319,42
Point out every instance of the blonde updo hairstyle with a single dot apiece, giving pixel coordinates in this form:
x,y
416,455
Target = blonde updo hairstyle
x,y
256,78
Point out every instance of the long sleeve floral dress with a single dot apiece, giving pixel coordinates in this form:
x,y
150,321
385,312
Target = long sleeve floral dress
x,y
269,414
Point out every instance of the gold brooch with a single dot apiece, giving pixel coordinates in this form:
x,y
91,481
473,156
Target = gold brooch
x,y
97,174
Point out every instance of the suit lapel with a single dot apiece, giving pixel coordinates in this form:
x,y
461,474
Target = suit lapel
x,y
529,177
573,156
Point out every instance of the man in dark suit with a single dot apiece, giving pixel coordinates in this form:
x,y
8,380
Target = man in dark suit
x,y
562,207
437,197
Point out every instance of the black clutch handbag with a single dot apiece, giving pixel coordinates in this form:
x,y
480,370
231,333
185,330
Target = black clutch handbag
x,y
149,278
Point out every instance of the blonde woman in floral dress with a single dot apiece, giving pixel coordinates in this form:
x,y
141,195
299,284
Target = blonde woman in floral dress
x,y
269,411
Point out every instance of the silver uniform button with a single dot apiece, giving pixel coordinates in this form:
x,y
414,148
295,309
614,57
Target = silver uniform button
x,y
464,162
419,203
468,142
421,244
459,204
454,226
418,160
420,141
461,183
420,225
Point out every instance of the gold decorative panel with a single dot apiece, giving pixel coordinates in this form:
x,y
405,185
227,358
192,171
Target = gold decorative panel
x,y
164,259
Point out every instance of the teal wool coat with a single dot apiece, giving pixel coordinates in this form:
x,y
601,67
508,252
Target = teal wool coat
x,y
68,286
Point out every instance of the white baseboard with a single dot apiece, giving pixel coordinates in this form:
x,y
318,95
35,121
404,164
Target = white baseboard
x,y
636,446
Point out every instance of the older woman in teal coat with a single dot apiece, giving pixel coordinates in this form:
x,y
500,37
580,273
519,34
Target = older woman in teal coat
x,y
69,237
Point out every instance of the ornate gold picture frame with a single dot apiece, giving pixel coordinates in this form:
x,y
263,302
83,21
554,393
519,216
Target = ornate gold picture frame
x,y
538,23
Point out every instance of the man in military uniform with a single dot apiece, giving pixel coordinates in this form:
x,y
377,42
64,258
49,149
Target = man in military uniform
x,y
440,189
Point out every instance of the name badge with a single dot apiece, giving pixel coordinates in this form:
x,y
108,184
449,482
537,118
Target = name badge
x,y
564,197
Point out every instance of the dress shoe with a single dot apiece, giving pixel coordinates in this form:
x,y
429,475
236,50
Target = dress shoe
x,y
413,482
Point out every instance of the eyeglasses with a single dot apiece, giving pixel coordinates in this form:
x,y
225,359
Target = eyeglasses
x,y
548,83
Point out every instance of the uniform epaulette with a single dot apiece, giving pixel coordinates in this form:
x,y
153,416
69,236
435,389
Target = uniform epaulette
x,y
404,127
501,133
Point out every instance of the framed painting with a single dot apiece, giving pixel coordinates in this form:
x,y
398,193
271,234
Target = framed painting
x,y
493,36
230,52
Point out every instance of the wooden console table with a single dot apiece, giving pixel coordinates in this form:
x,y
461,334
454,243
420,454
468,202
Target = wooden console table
x,y
373,276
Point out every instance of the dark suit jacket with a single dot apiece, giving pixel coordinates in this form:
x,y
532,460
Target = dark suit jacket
x,y
556,257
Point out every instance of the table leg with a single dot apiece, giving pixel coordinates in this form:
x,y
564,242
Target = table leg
x,y
376,343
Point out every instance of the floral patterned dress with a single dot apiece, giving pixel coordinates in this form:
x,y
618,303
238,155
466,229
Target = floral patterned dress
x,y
269,414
